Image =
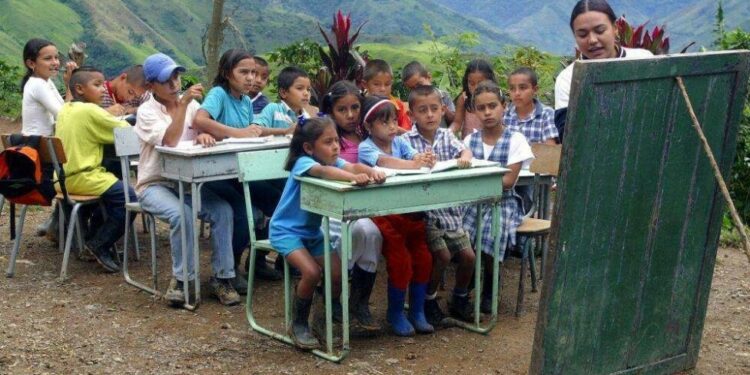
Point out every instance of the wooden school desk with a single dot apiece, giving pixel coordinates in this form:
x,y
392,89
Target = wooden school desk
x,y
398,195
196,166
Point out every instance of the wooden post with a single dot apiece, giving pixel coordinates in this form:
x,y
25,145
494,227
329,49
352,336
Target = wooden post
x,y
717,172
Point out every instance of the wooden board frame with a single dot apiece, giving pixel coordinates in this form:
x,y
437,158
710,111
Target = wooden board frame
x,y
638,214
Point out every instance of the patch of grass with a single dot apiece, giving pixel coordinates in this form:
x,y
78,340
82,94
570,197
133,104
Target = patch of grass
x,y
402,54
22,20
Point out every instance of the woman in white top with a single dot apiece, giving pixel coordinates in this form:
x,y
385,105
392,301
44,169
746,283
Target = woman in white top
x,y
41,100
593,26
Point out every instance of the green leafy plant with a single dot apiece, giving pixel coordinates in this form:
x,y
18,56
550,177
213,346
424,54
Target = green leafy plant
x,y
450,54
739,185
655,41
342,61
10,92
544,64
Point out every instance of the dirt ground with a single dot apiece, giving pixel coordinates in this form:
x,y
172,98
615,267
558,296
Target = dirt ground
x,y
95,323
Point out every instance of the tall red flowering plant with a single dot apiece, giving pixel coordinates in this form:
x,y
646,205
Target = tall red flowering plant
x,y
655,41
341,61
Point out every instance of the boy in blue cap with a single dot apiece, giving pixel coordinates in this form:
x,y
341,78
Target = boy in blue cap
x,y
165,119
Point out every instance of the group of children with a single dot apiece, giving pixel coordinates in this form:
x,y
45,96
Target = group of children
x,y
359,129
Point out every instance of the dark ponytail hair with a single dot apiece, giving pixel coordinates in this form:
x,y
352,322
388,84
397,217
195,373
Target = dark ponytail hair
x,y
340,90
477,65
583,6
307,132
227,62
31,52
490,87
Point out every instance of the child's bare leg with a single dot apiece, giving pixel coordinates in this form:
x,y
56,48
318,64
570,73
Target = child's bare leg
x,y
310,270
335,273
460,307
440,260
465,269
300,329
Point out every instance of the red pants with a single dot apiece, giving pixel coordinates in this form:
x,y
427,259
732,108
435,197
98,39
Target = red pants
x,y
407,257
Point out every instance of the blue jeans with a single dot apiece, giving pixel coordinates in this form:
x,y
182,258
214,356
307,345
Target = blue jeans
x,y
266,195
107,232
163,202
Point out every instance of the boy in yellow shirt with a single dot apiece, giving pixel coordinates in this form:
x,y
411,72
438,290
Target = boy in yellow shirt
x,y
84,128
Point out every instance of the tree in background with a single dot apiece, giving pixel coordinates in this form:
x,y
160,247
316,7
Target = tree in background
x,y
213,38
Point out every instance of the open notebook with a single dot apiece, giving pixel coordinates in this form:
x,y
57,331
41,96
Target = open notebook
x,y
187,145
439,167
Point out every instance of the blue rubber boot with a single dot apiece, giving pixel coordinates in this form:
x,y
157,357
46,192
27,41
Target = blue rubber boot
x,y
395,315
417,293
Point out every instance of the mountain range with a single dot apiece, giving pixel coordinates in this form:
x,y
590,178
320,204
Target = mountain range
x,y
122,32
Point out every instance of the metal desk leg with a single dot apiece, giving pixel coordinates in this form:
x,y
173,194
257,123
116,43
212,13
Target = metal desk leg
x,y
346,242
196,195
346,254
476,326
327,282
183,234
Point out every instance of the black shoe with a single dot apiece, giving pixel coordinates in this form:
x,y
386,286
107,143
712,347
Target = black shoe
x,y
485,305
104,257
299,330
433,313
461,309
264,272
359,302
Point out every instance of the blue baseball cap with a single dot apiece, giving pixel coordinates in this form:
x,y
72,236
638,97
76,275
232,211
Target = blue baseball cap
x,y
160,67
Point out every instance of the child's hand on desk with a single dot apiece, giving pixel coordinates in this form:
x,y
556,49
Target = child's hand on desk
x,y
361,179
424,160
193,92
377,176
463,162
252,131
290,129
205,140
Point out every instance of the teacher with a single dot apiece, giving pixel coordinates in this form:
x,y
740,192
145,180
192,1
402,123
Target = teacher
x,y
597,37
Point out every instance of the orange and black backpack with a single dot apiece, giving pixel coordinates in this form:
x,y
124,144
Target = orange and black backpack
x,y
24,179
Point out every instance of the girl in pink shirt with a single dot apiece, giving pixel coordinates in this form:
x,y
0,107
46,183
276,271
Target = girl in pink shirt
x,y
343,105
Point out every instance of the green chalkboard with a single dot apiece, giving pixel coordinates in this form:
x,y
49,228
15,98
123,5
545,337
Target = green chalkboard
x,y
637,214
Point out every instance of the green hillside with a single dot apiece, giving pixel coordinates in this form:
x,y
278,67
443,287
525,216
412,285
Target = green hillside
x,y
22,20
119,33
545,24
122,32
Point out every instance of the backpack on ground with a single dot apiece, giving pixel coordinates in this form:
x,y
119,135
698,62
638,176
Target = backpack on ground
x,y
24,179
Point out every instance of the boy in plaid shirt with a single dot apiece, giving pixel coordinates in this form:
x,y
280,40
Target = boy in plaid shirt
x,y
446,238
526,114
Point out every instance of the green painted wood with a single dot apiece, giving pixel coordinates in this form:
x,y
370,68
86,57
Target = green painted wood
x,y
262,165
400,194
638,215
